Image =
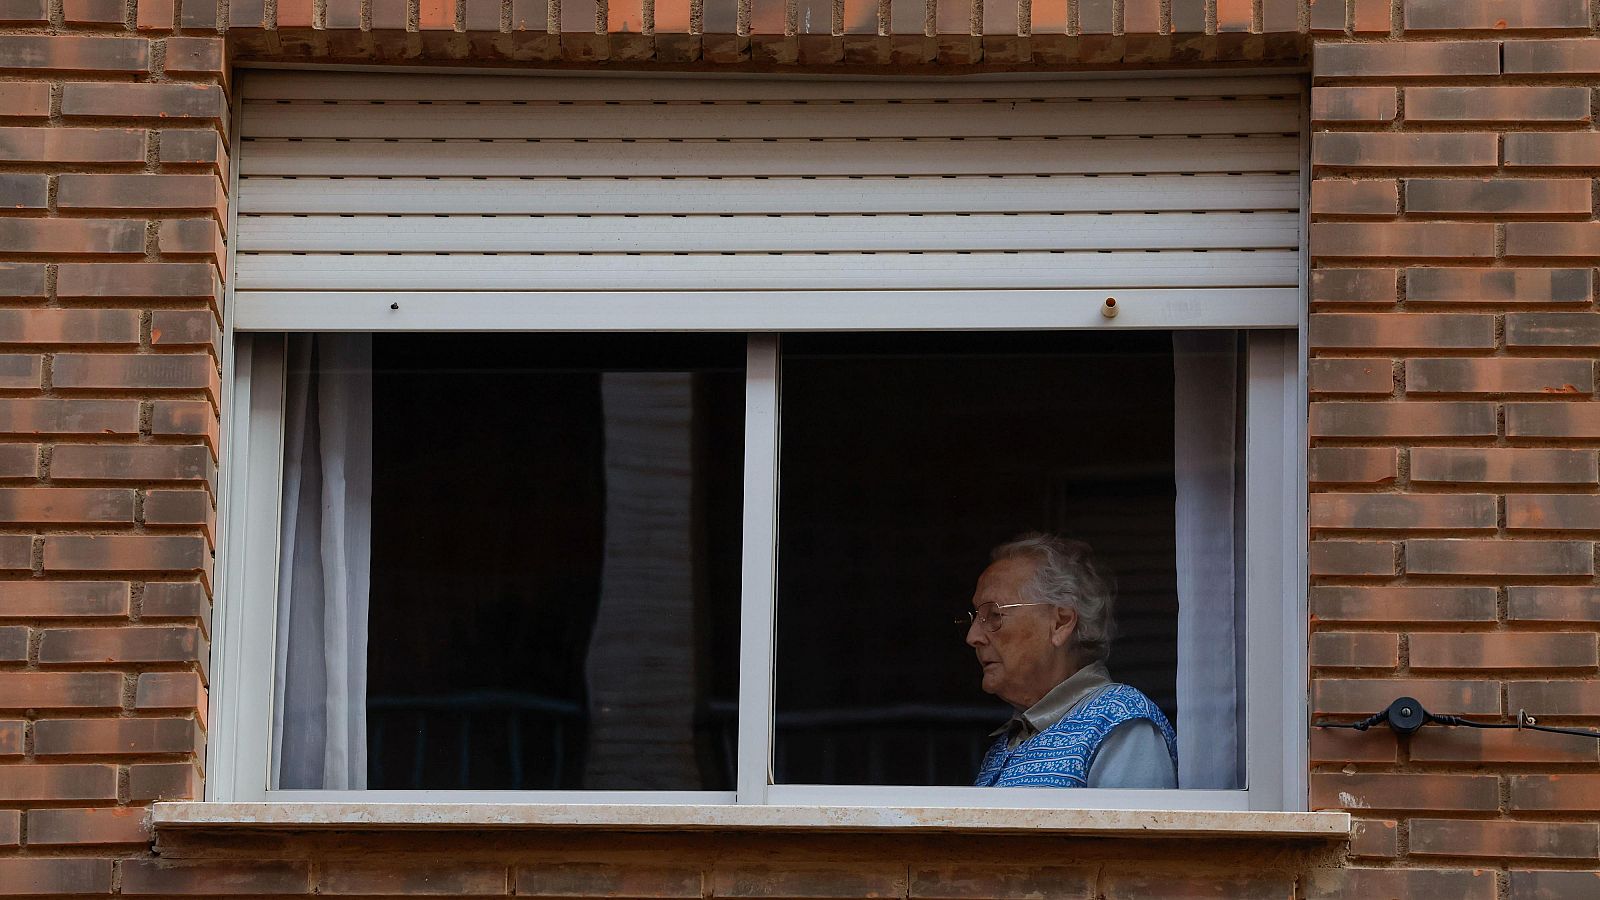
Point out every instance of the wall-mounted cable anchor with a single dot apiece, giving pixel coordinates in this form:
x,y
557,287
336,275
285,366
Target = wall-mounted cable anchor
x,y
1406,714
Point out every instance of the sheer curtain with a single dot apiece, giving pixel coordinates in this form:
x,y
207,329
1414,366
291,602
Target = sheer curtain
x,y
1205,369
319,720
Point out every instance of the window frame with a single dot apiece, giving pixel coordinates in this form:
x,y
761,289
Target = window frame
x,y
1275,508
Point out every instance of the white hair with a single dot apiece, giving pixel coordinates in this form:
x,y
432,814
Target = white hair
x,y
1068,576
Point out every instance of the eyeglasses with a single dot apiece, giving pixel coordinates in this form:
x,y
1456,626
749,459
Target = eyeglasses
x,y
989,614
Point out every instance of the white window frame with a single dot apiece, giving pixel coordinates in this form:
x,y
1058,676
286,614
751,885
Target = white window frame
x,y
1274,572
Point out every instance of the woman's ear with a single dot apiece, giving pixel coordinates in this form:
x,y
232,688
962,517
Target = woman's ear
x,y
1065,624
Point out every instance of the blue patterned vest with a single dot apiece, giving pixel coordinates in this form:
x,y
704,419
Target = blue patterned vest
x,y
1060,756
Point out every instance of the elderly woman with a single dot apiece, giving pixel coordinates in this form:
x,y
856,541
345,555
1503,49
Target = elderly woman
x,y
1041,626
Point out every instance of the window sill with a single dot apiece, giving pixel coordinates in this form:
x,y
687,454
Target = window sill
x,y
193,816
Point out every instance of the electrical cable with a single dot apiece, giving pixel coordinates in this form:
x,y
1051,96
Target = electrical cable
x,y
1405,715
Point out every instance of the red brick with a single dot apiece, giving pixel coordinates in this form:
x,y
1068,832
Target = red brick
x,y
92,12
155,372
42,875
1500,375
140,192
1405,792
1143,884
453,879
1327,15
1188,16
22,281
23,191
956,881
1552,239
1402,511
163,781
179,507
25,783
1336,197
1566,56
1577,149
1553,884
195,55
1378,286
1450,465
1504,651
25,144
299,13
1497,104
1345,746
1466,556
1352,558
139,463
75,236
11,738
53,505
1481,196
1350,150
194,146
1354,104
1466,745
190,417
1493,15
137,281
65,599
1542,420
1402,604
23,12
1547,697
1580,330
25,99
1475,884
19,461
1354,650
1566,793
184,328
76,827
1353,465
1138,16
78,737
19,416
10,819
21,371
759,880
172,690
189,237
16,552
196,15
1408,60
1372,16
144,101
1400,420
1554,604
1462,240
165,643
13,643
1548,840
243,14
73,53
70,326
347,14
1336,696
1351,376
391,14
61,690
177,600
1361,331
144,877
156,15
125,552
1553,512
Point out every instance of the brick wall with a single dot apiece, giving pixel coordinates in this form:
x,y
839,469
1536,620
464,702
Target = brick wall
x,y
1453,462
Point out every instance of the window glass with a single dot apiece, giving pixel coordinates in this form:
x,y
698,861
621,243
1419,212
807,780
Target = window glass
x,y
906,458
510,562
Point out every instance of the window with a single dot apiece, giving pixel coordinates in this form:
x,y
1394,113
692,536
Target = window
x,y
659,567
585,451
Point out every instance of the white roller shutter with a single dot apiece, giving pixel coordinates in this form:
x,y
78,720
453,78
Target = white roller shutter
x,y
767,203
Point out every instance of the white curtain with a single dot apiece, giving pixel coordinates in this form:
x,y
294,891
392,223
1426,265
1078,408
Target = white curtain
x,y
319,720
1205,366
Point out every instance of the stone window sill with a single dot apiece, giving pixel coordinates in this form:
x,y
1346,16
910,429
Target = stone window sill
x,y
301,816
